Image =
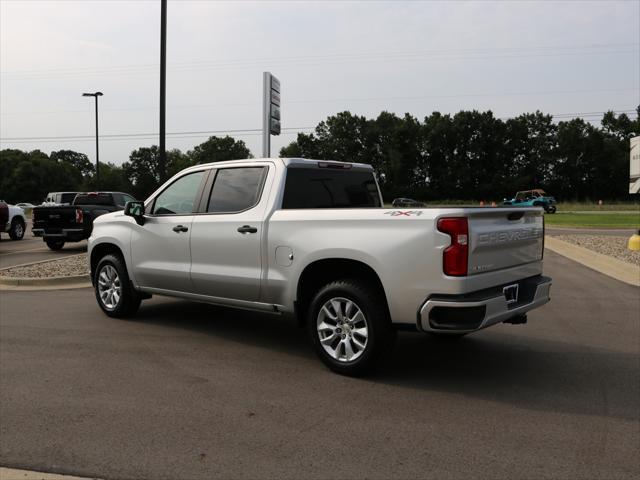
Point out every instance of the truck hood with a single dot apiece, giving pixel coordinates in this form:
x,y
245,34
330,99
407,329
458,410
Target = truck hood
x,y
108,217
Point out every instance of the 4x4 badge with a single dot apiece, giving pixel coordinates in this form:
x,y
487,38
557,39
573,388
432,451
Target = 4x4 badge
x,y
404,213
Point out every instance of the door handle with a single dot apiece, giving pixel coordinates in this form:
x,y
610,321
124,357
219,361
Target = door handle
x,y
180,228
247,229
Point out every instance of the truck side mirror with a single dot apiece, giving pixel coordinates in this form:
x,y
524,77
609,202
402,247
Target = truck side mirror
x,y
135,210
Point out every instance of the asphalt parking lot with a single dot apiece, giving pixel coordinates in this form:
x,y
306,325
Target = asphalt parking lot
x,y
190,391
33,249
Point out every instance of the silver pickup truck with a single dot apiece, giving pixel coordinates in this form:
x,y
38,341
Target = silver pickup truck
x,y
311,239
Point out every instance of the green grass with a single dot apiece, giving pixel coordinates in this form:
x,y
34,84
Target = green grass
x,y
594,220
594,207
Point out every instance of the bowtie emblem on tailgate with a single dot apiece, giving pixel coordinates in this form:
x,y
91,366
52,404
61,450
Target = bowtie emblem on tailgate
x,y
511,293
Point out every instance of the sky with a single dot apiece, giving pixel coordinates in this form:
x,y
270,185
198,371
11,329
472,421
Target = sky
x,y
417,57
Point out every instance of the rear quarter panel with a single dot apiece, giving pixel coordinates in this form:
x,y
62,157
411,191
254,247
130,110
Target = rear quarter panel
x,y
404,250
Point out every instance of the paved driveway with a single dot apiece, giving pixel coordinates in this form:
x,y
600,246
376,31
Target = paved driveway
x,y
33,249
189,391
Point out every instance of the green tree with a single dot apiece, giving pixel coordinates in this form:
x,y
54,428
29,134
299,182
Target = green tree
x,y
28,176
217,149
305,146
142,171
112,178
532,144
77,160
621,126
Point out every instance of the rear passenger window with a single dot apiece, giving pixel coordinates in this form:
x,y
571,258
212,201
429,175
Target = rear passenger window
x,y
327,188
236,189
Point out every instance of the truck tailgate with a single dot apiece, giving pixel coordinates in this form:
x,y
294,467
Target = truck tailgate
x,y
54,218
502,238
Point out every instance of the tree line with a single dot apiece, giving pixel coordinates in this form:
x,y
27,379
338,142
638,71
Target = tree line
x,y
29,176
475,156
467,156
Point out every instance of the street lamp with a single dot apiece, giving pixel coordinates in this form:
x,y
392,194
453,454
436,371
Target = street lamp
x,y
96,95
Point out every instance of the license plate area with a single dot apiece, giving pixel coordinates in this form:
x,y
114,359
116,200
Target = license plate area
x,y
510,293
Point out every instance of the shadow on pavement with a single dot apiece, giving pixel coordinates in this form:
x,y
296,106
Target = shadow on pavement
x,y
510,367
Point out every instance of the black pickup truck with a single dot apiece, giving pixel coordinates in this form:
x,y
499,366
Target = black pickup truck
x,y
59,224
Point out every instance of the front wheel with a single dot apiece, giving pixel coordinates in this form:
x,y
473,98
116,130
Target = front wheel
x,y
551,209
17,229
349,327
55,244
114,292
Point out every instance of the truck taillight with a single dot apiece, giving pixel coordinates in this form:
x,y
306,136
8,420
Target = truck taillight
x,y
455,256
79,215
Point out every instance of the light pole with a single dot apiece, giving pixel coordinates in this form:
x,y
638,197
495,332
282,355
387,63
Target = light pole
x,y
96,95
162,160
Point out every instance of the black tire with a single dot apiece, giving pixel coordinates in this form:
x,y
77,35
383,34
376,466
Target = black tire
x,y
129,299
17,229
380,336
551,209
55,244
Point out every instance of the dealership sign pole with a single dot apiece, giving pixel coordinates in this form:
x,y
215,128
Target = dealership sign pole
x,y
634,165
270,111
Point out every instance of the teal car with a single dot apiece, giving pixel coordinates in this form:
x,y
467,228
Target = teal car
x,y
533,198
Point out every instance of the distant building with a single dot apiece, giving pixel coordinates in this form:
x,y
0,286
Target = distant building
x,y
634,165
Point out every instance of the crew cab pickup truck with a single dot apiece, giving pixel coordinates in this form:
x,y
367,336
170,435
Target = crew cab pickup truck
x,y
311,239
59,224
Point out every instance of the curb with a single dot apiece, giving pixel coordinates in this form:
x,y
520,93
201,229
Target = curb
x,y
612,267
28,264
45,282
48,283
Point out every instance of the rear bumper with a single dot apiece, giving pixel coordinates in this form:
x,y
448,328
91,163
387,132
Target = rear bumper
x,y
477,310
70,234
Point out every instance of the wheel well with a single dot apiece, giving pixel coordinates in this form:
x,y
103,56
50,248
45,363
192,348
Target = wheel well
x,y
100,251
18,218
319,273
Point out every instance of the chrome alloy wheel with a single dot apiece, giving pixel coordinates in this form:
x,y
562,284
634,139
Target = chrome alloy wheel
x,y
343,329
109,287
19,230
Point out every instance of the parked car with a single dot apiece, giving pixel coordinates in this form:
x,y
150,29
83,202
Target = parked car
x,y
533,198
311,239
59,224
12,220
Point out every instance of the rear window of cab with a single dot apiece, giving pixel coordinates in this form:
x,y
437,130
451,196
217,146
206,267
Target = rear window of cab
x,y
330,188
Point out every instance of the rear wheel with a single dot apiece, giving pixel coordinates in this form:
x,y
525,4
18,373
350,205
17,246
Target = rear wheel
x,y
114,292
17,229
551,209
55,244
349,327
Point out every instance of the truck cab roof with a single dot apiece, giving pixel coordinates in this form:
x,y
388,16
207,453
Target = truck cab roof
x,y
293,163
